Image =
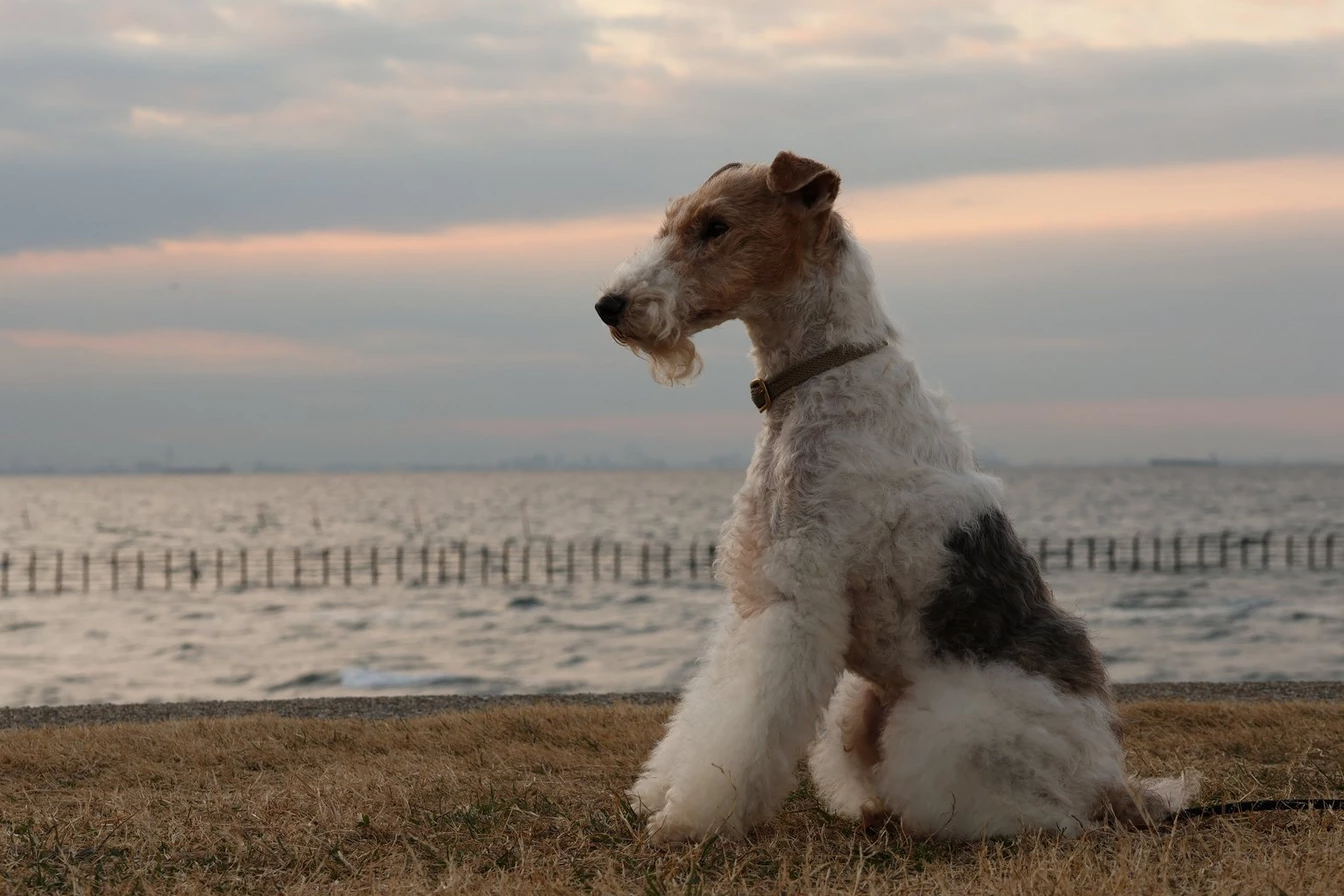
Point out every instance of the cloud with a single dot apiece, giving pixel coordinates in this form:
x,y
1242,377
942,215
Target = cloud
x,y
544,243
985,206
174,351
397,211
1238,429
253,117
1107,199
671,425
58,355
1285,415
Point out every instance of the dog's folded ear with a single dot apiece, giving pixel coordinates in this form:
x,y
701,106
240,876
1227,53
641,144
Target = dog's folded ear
x,y
810,182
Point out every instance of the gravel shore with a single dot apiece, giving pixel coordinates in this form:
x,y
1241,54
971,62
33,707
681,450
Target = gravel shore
x,y
407,707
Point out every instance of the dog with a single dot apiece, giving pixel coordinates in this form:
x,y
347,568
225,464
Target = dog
x,y
882,610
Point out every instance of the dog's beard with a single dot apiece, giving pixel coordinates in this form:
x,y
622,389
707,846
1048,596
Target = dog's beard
x,y
672,360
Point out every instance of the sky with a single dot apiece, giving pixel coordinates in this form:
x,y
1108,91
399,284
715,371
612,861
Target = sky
x,y
371,232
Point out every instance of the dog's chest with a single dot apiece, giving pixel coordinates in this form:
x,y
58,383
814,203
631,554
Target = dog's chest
x,y
774,480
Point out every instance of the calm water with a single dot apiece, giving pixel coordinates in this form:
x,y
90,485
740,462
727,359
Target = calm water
x,y
590,636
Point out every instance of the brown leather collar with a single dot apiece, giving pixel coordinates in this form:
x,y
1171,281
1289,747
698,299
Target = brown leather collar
x,y
765,392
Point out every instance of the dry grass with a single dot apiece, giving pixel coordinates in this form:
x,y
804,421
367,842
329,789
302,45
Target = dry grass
x,y
527,800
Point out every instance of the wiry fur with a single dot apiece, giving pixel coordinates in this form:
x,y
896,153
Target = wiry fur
x,y
881,608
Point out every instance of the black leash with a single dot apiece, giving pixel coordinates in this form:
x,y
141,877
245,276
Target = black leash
x,y
1327,805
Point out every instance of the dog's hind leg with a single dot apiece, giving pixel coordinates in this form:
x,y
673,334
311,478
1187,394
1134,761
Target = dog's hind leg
x,y
842,758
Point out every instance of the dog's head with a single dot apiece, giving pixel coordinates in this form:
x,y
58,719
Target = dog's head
x,y
727,251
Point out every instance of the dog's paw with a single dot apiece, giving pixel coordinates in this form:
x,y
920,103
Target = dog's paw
x,y
874,815
664,831
649,794
670,827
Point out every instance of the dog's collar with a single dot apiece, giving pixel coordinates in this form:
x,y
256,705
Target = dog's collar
x,y
765,392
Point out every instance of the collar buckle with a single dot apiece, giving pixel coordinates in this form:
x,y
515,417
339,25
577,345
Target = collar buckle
x,y
760,395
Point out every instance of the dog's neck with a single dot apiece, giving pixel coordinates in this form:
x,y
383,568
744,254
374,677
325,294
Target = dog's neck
x,y
835,303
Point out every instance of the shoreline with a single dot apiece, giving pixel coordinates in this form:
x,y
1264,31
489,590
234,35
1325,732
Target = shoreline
x,y
404,707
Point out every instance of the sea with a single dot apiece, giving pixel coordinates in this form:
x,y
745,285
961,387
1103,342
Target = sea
x,y
421,636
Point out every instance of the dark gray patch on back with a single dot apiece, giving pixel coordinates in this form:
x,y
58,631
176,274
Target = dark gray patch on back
x,y
994,606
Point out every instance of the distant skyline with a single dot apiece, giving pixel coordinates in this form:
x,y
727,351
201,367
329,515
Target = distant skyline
x,y
632,459
349,233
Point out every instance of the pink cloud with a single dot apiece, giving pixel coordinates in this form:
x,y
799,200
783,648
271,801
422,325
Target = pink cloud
x,y
987,206
1306,415
960,208
1313,415
233,353
670,425
544,244
181,349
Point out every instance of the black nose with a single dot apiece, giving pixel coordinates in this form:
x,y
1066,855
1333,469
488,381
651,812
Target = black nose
x,y
610,308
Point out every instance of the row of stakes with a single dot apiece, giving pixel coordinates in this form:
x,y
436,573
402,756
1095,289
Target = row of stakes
x,y
131,573
1176,554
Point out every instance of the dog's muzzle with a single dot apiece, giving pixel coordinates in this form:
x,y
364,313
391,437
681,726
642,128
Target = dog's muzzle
x,y
610,308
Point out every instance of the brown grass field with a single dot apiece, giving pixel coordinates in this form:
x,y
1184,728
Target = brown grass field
x,y
528,800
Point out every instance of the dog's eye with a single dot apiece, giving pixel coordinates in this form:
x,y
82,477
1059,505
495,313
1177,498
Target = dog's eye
x,y
713,229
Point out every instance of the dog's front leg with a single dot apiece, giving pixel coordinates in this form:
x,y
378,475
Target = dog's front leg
x,y
745,719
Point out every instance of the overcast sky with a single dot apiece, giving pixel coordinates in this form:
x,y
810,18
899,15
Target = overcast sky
x,y
371,231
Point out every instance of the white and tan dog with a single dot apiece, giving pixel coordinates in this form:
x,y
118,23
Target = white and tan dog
x,y
883,610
